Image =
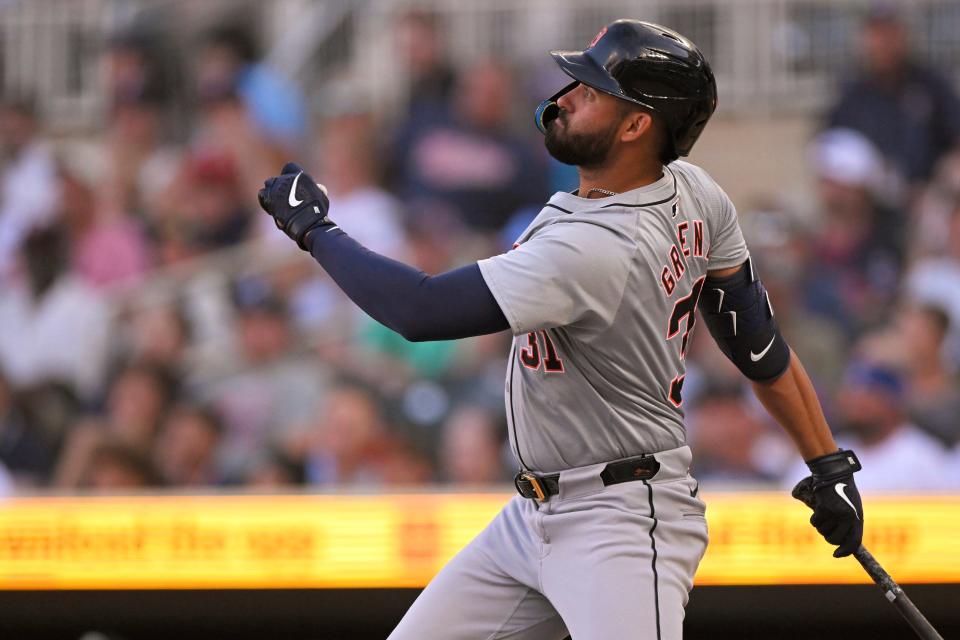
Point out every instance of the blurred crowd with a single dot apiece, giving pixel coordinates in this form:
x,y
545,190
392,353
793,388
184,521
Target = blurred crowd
x,y
157,332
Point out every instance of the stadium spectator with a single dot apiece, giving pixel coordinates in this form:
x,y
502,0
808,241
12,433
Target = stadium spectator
x,y
186,447
11,424
139,397
275,470
933,392
781,251
872,421
56,328
271,387
138,400
214,209
471,448
420,47
7,486
40,422
28,191
159,334
23,454
467,163
857,250
224,128
730,438
433,245
140,166
264,367
206,208
107,248
347,151
351,443
908,111
351,168
138,64
114,467
33,424
934,276
229,62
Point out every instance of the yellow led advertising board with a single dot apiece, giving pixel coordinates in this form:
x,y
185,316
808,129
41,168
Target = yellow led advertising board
x,y
383,541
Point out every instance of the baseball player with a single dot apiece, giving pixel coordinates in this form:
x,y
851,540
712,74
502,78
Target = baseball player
x,y
600,293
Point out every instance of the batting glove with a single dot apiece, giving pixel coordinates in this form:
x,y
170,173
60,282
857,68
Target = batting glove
x,y
297,203
837,508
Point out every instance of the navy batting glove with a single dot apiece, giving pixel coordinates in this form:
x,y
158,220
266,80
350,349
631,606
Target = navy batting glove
x,y
832,494
296,202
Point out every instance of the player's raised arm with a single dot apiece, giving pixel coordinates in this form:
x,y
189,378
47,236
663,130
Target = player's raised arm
x,y
737,310
456,304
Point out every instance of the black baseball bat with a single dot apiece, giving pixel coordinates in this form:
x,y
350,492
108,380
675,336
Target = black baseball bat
x,y
891,590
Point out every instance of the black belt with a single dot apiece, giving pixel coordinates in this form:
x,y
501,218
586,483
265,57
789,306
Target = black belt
x,y
530,485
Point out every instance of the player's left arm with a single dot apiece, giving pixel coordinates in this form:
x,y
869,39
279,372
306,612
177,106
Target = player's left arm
x,y
456,304
738,313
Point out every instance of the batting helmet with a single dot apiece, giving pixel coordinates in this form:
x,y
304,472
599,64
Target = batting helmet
x,y
648,65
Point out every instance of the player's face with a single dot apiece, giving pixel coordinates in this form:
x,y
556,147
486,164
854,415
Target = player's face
x,y
586,128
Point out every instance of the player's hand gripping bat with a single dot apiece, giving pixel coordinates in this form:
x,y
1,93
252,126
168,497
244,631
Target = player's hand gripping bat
x,y
892,591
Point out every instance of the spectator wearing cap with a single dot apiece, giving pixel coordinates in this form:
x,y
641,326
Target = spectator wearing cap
x,y
219,214
208,210
908,111
857,253
271,388
896,455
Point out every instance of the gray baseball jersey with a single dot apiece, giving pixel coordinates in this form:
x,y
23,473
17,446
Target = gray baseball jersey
x,y
601,297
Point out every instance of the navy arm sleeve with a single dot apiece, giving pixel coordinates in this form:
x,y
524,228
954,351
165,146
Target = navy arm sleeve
x,y
420,307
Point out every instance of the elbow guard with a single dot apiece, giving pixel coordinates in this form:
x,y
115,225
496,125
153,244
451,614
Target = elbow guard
x,y
738,314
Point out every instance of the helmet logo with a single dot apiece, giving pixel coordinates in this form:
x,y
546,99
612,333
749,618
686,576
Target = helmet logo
x,y
597,37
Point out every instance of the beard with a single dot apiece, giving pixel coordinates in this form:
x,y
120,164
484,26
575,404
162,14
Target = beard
x,y
589,150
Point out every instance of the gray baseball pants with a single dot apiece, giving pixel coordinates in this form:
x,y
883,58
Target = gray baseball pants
x,y
593,562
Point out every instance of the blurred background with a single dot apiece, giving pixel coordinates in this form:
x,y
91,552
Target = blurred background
x,y
158,334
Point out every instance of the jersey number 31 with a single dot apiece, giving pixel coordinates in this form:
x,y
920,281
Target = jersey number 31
x,y
530,354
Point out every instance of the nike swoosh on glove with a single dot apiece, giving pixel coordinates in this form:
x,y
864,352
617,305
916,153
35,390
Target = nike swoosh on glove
x,y
296,202
832,494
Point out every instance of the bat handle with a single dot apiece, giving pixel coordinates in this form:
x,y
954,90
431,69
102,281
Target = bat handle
x,y
896,596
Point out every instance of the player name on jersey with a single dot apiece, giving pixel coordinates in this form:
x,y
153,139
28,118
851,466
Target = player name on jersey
x,y
676,266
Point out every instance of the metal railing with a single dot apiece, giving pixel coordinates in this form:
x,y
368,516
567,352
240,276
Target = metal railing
x,y
770,56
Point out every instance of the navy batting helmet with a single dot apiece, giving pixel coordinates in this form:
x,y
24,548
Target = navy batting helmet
x,y
648,65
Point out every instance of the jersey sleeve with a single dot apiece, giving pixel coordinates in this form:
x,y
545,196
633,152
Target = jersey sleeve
x,y
727,246
567,274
